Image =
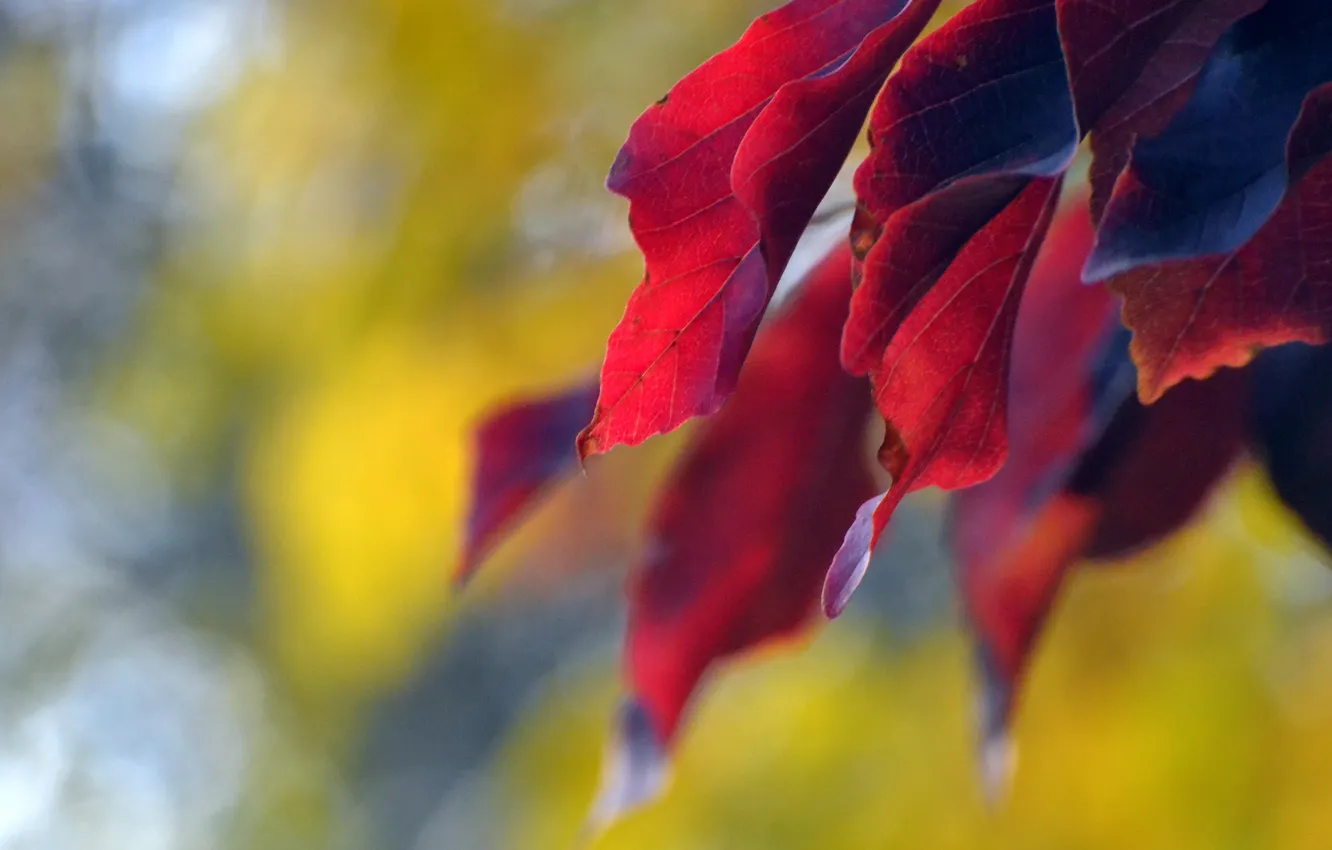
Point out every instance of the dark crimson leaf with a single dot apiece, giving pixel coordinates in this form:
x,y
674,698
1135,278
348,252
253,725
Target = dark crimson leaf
x,y
1191,317
1133,64
977,109
943,384
1138,480
722,176
521,450
1293,430
1061,336
1311,139
1056,390
745,527
1219,170
1179,450
1007,600
1091,472
1124,54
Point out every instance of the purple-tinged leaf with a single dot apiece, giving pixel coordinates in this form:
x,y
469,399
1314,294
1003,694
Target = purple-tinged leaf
x,y
1110,42
1218,172
1191,317
521,451
1123,55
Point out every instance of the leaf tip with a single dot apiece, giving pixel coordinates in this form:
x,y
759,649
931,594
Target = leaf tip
x,y
588,443
997,754
467,567
1152,381
621,171
635,772
1100,265
851,561
1150,387
998,761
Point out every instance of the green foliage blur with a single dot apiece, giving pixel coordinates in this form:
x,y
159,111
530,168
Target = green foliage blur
x,y
263,264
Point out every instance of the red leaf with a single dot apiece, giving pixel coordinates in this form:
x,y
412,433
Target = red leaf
x,y
1218,171
1123,53
722,177
1142,478
943,383
1091,472
1133,64
745,527
977,109
1009,538
521,450
1170,456
1007,599
1062,331
1191,317
1132,483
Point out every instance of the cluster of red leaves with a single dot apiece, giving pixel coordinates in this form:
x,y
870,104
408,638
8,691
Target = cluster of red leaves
x,y
993,365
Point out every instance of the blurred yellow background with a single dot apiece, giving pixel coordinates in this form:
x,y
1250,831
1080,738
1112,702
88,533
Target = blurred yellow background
x,y
263,264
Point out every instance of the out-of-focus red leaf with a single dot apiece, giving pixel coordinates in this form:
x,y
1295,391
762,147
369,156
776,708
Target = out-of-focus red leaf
x,y
748,522
1169,461
1140,478
1059,346
1007,599
1133,64
977,109
744,528
1293,430
943,384
722,176
1059,343
1091,472
521,450
1219,170
1191,317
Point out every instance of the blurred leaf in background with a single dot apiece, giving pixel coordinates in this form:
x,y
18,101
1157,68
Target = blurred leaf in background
x,y
1171,706
264,265
381,248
